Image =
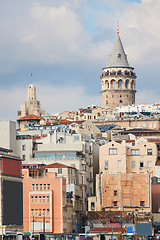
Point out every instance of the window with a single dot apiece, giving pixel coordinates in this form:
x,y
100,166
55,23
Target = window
x,y
115,192
149,151
40,199
150,125
41,187
133,164
59,170
40,212
47,199
32,199
143,124
119,163
115,203
44,186
32,212
44,199
112,151
90,161
24,157
76,138
119,84
68,170
92,206
142,203
149,164
106,164
134,152
48,186
36,212
44,210
23,147
154,125
48,212
36,186
139,124
82,179
141,164
33,187
36,199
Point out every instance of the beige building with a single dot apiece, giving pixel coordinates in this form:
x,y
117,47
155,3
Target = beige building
x,y
126,168
138,156
118,79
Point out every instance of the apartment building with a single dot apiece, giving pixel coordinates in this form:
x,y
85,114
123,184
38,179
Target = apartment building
x,y
45,205
11,192
136,156
60,147
124,179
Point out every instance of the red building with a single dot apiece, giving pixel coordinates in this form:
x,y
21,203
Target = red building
x,y
11,192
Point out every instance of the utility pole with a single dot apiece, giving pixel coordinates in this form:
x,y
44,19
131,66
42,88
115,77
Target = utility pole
x,y
44,224
33,227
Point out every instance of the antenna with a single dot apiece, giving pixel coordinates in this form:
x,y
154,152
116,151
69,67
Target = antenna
x,y
117,28
31,77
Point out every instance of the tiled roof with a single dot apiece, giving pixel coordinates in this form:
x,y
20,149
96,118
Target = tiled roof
x,y
27,117
118,58
56,165
106,229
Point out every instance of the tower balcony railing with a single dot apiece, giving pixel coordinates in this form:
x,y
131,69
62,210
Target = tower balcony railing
x,y
128,74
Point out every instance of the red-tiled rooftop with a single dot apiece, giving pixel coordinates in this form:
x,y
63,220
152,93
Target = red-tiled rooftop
x,y
27,117
56,165
106,230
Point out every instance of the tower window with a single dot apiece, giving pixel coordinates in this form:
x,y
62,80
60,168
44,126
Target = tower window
x,y
119,55
119,84
126,84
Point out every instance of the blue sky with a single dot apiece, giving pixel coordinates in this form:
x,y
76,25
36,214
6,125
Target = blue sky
x,y
66,43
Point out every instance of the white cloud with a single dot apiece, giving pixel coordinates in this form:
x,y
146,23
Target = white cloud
x,y
147,96
53,99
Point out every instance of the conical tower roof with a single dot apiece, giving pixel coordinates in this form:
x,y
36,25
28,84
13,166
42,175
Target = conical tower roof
x,y
118,58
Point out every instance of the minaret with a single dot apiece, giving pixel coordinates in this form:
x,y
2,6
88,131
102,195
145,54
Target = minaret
x,y
118,79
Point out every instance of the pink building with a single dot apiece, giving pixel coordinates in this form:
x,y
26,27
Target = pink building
x,y
44,203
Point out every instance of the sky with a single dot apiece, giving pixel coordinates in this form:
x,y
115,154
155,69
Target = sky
x,y
66,43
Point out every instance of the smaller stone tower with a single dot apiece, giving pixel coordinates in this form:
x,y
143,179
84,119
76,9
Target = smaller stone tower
x,y
118,79
31,106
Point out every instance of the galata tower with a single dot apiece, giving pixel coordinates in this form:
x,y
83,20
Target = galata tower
x,y
118,79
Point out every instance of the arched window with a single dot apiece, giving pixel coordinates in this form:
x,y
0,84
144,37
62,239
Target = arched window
x,y
126,84
107,83
113,84
120,84
120,101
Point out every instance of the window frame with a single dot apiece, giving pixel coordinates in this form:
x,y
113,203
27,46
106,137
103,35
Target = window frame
x,y
112,151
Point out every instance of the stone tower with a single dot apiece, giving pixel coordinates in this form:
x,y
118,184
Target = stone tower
x,y
118,79
31,106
